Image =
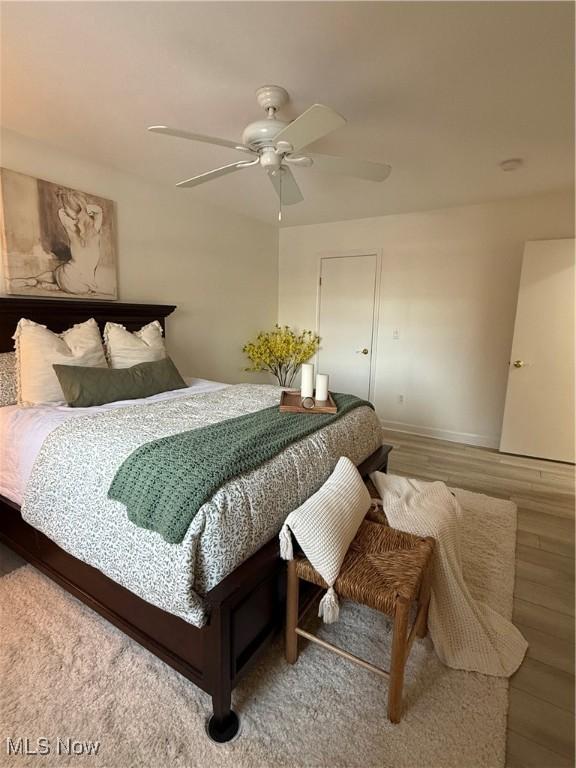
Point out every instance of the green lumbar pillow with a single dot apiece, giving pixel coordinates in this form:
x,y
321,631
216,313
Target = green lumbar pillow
x,y
84,387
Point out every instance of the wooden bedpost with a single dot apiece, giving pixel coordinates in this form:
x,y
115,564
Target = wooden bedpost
x,y
223,724
246,611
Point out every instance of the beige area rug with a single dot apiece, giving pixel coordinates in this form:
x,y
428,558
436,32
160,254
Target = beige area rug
x,y
66,673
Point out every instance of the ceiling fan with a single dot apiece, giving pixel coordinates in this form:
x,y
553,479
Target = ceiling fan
x,y
277,145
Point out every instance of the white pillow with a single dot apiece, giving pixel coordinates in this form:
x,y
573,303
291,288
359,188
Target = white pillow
x,y
38,349
124,348
325,526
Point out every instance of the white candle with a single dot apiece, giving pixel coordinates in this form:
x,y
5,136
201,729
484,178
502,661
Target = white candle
x,y
322,386
307,381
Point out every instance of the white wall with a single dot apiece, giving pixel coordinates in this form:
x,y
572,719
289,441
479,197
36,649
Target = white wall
x,y
218,267
449,284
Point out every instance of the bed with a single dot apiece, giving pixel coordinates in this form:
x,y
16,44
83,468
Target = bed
x,y
241,609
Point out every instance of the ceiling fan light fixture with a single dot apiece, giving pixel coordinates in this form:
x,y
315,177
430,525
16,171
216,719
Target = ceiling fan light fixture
x,y
270,159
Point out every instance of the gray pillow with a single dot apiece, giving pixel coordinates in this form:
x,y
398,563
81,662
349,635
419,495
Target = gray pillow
x,y
84,387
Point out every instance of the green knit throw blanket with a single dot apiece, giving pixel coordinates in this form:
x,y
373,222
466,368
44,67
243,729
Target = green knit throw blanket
x,y
165,482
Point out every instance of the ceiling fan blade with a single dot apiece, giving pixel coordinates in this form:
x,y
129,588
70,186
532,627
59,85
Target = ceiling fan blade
x,y
286,187
216,173
163,129
348,166
313,124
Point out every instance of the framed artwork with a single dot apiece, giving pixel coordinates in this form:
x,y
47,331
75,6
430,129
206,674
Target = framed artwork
x,y
56,241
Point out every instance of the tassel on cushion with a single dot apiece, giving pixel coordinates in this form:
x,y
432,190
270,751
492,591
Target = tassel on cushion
x,y
329,609
286,551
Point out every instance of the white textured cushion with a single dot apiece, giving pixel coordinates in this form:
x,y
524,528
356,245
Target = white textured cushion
x,y
326,523
125,349
38,349
8,385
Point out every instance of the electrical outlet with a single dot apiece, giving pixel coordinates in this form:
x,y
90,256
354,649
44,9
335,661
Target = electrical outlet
x,y
401,399
395,334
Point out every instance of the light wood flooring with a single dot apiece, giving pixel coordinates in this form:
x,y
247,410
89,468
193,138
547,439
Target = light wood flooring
x,y
541,716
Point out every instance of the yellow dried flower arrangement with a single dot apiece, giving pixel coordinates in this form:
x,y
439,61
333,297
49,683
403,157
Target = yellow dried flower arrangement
x,y
281,351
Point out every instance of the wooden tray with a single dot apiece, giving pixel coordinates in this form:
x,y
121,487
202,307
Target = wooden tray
x,y
291,402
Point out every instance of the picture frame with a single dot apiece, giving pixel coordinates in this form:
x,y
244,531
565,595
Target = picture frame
x,y
57,241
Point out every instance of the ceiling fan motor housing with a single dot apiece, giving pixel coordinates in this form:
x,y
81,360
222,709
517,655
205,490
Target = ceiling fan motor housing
x,y
262,133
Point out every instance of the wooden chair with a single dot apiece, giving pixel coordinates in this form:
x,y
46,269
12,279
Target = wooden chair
x,y
387,570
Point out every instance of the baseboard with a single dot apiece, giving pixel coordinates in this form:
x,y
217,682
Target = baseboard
x,y
468,438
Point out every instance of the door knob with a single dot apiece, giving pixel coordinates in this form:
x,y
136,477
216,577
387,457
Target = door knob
x,y
363,351
518,363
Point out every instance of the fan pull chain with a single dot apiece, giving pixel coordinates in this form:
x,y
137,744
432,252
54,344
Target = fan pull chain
x,y
280,194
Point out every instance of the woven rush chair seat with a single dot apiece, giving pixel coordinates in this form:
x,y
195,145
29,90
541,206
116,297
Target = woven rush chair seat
x,y
381,565
384,569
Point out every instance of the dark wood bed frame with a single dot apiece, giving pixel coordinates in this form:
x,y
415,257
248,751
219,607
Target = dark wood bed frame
x,y
245,609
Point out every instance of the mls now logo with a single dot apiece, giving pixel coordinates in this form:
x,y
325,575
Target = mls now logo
x,y
46,746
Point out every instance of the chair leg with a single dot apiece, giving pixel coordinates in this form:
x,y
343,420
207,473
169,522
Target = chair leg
x,y
424,603
398,660
292,613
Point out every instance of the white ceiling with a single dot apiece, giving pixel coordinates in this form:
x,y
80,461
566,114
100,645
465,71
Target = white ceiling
x,y
441,91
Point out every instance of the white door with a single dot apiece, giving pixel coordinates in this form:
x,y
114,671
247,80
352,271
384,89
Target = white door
x,y
539,411
346,322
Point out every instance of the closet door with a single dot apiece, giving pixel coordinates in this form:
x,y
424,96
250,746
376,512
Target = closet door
x,y
346,326
539,411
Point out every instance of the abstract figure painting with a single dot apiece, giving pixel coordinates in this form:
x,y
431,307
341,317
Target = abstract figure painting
x,y
56,241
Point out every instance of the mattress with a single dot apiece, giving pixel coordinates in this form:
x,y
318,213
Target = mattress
x,y
59,464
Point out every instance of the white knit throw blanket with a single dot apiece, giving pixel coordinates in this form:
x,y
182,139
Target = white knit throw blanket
x,y
466,633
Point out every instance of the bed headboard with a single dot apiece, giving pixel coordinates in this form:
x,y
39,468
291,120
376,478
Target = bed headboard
x,y
58,314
